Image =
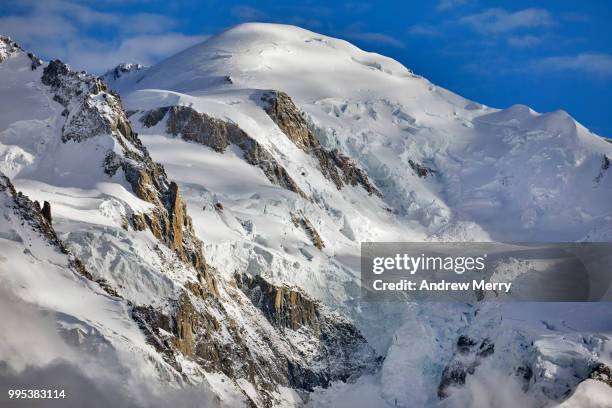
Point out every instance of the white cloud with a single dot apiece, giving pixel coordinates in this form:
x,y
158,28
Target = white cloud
x,y
524,41
591,63
445,5
69,31
498,21
146,49
425,30
75,11
375,38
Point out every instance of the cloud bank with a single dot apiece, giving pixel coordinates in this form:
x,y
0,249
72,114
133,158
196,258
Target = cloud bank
x,y
71,31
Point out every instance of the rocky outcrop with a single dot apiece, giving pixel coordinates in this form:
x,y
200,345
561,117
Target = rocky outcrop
x,y
35,61
282,110
468,356
121,70
283,306
300,221
605,165
9,47
601,372
92,111
46,212
338,168
304,346
218,134
89,109
341,353
421,170
153,117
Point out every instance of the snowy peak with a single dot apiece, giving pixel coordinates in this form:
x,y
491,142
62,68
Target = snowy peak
x,y
122,73
119,210
279,150
250,53
122,69
8,47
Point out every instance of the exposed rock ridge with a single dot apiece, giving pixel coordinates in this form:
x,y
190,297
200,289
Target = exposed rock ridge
x,y
466,359
197,127
120,70
300,221
30,212
323,347
92,111
9,47
337,167
601,372
421,170
342,351
283,306
605,165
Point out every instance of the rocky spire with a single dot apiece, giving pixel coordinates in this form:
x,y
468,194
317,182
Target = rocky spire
x,y
46,211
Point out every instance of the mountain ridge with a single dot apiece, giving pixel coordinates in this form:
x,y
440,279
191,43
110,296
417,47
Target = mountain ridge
x,y
285,264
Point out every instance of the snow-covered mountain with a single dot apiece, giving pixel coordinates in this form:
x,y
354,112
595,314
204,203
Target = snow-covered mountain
x,y
216,211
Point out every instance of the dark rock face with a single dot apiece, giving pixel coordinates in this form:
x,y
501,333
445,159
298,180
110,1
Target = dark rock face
x,y
601,372
467,358
53,73
525,374
353,175
201,329
421,170
153,117
300,221
605,165
78,92
46,211
168,220
287,116
283,307
289,119
343,352
36,62
218,134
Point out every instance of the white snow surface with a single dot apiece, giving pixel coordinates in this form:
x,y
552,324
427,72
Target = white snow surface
x,y
501,175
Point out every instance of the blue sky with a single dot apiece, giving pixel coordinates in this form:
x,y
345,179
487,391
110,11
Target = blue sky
x,y
546,54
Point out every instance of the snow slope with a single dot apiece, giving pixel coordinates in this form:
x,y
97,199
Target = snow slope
x,y
505,175
449,169
233,339
63,331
